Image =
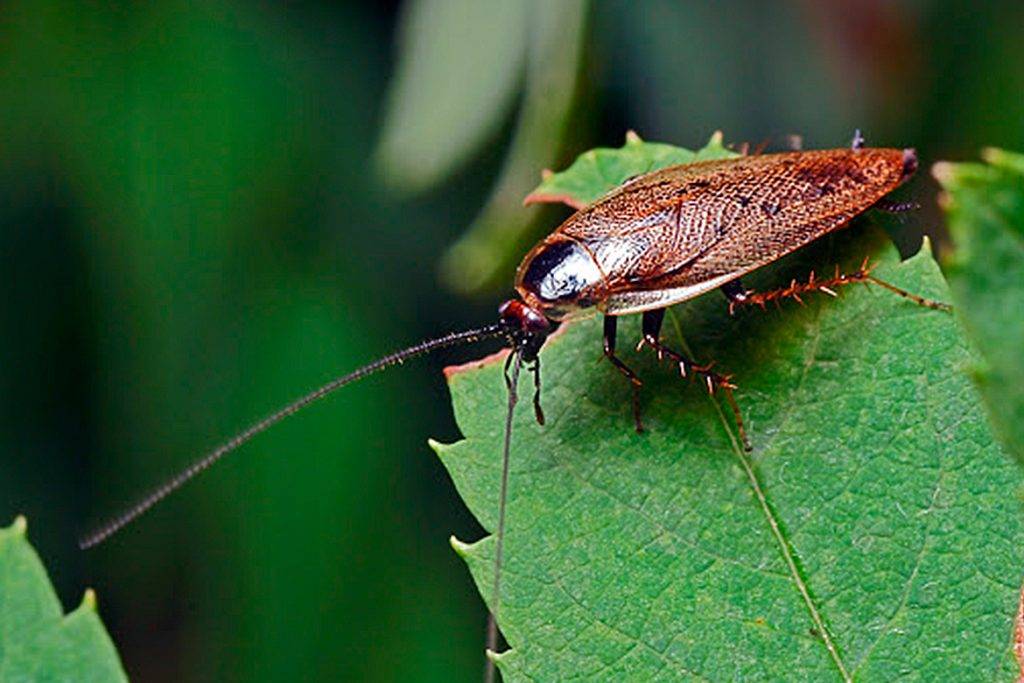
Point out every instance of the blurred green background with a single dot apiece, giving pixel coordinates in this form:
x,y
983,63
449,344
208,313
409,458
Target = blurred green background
x,y
208,207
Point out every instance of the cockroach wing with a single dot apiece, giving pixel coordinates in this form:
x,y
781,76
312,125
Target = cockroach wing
x,y
679,232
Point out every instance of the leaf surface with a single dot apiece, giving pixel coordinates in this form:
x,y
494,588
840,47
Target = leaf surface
x,y
985,205
874,532
37,641
601,170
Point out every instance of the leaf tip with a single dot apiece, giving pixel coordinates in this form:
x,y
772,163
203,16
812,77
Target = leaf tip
x,y
461,548
553,198
88,600
632,138
943,171
20,525
926,247
441,449
1004,159
992,155
716,139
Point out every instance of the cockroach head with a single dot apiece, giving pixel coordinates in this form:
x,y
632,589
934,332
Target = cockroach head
x,y
525,328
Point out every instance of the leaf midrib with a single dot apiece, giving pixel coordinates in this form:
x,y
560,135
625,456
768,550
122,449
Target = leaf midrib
x,y
671,533
785,545
782,542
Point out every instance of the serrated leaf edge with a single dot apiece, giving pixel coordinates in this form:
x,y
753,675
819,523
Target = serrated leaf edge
x,y
715,143
465,550
15,536
19,529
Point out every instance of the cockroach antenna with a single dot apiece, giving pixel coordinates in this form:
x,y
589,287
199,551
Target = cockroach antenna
x,y
660,239
512,382
115,524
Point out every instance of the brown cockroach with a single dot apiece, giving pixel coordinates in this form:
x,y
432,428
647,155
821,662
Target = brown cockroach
x,y
657,240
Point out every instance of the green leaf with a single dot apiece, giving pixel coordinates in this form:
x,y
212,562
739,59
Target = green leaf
x,y
601,170
459,69
874,532
985,206
37,642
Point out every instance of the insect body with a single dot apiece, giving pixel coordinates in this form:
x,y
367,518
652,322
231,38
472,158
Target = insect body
x,y
673,234
659,239
676,233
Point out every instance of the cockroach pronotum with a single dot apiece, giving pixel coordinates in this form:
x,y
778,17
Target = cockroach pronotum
x,y
657,240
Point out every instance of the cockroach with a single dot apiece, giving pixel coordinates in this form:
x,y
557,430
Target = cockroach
x,y
657,240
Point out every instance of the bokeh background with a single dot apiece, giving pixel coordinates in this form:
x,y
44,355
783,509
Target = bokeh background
x,y
208,207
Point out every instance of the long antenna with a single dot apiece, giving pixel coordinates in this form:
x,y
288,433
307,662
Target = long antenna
x,y
492,617
117,523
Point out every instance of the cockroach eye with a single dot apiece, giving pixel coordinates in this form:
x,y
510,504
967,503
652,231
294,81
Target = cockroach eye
x,y
522,318
559,273
527,328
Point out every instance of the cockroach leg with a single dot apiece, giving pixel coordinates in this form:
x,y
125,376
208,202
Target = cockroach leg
x,y
896,207
652,321
858,140
538,412
610,327
919,300
736,293
829,286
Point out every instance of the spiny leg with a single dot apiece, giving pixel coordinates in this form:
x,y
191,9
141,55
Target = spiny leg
x,y
652,321
736,293
610,326
891,206
739,296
